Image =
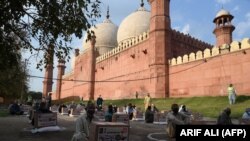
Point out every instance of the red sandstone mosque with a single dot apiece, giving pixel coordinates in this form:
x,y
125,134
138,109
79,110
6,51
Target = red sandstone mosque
x,y
145,55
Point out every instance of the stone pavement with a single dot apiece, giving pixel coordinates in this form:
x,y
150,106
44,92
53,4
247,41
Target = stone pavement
x,y
17,128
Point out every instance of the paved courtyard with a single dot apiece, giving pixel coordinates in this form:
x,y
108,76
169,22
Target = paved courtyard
x,y
18,128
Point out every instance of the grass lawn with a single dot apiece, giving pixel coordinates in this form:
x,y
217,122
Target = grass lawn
x,y
208,106
3,113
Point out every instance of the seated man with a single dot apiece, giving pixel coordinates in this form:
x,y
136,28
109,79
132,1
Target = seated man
x,y
175,118
156,112
246,114
130,111
82,124
224,118
60,108
149,115
184,110
109,113
14,109
71,106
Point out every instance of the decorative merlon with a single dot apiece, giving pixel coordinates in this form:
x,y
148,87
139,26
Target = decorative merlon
x,y
123,46
187,38
207,53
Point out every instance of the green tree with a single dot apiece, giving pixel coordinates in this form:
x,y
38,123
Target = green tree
x,y
49,22
34,94
13,81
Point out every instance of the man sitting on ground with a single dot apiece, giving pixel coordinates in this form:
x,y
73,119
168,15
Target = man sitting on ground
x,y
149,115
109,113
82,124
224,118
183,109
14,109
246,114
175,118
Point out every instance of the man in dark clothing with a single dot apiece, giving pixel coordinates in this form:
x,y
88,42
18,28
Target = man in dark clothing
x,y
15,109
174,117
149,115
224,118
109,113
99,102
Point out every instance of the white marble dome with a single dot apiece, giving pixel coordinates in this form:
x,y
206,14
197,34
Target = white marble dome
x,y
134,25
106,36
222,12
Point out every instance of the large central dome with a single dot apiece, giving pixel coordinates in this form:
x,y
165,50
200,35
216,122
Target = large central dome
x,y
106,36
134,25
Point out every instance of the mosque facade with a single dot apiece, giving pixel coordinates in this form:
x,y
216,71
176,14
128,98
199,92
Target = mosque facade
x,y
145,55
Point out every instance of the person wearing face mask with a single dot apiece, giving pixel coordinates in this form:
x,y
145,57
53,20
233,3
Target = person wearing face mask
x,y
174,117
224,118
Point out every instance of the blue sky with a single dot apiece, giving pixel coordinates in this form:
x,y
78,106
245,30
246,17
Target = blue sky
x,y
192,17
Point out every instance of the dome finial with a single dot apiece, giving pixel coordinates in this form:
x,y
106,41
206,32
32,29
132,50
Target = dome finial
x,y
222,6
142,3
108,13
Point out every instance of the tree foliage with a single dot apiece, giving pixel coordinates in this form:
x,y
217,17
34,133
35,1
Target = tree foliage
x,y
49,22
13,81
34,94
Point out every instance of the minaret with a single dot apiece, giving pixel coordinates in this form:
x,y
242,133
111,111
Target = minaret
x,y
160,42
224,28
61,69
92,61
48,77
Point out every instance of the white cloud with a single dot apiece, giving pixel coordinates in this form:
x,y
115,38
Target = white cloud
x,y
223,1
186,29
244,26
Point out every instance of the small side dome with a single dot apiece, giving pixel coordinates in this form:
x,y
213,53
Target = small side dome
x,y
134,25
106,36
222,12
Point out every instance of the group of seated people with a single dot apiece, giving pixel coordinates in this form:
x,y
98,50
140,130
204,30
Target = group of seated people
x,y
38,107
78,108
128,109
181,116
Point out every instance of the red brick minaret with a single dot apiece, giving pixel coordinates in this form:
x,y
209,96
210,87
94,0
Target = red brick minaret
x,y
224,28
61,69
48,82
92,61
160,41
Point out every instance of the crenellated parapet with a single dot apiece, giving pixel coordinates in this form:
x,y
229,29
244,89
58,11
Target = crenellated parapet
x,y
207,53
123,46
188,39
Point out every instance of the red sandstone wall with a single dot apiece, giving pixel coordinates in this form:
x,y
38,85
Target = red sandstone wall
x,y
184,44
123,67
67,87
211,78
119,67
77,87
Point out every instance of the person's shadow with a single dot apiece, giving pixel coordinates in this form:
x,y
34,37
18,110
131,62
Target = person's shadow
x,y
242,98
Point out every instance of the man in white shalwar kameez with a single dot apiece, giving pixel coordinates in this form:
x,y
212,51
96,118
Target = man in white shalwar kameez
x,y
82,129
